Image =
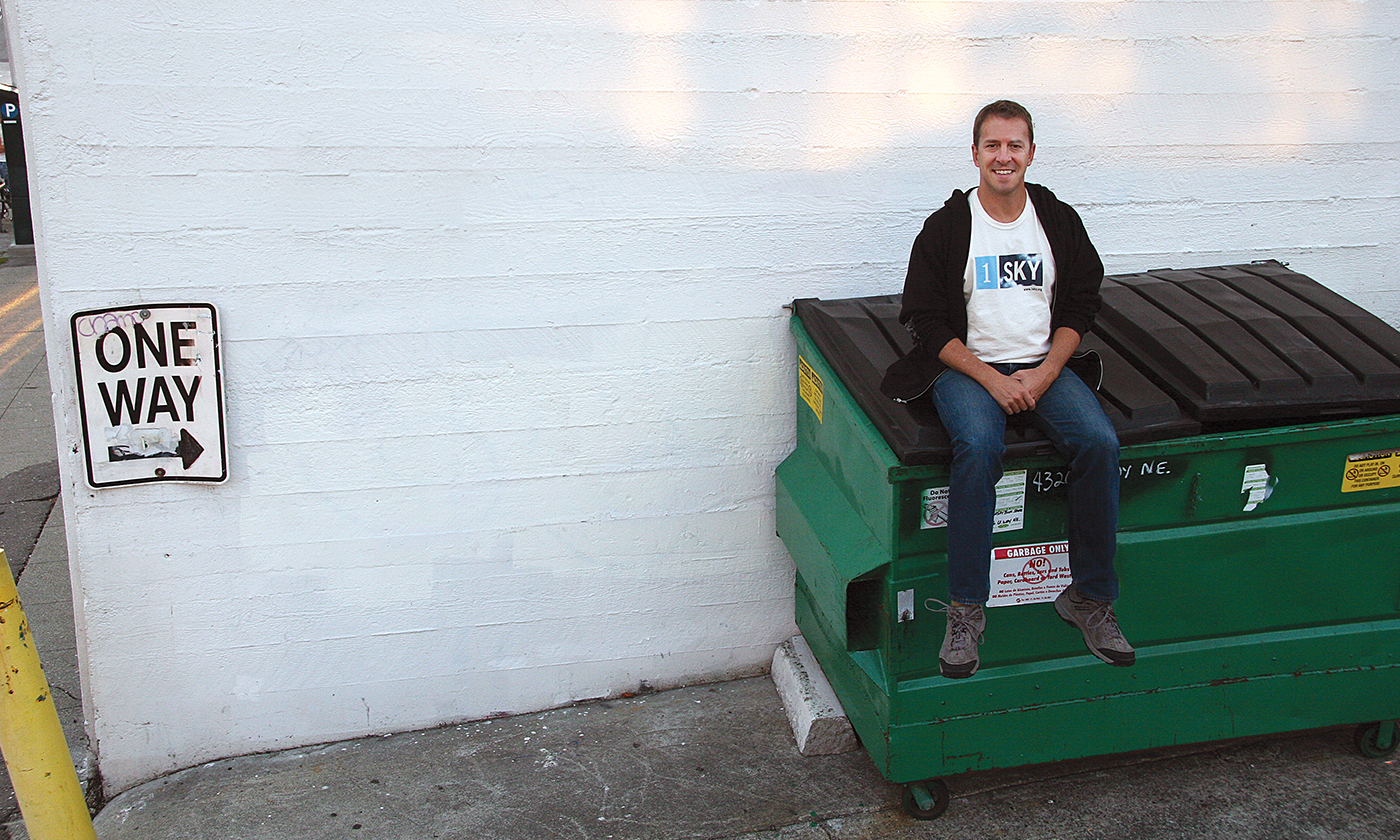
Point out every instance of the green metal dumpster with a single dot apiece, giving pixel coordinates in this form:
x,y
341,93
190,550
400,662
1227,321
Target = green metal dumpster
x,y
1259,514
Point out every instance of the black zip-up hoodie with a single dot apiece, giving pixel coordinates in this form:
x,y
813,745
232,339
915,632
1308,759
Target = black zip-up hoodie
x,y
934,309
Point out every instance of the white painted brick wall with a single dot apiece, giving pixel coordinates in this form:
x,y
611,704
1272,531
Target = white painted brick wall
x,y
501,287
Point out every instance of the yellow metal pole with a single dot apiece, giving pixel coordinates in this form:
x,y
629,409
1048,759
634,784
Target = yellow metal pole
x,y
36,754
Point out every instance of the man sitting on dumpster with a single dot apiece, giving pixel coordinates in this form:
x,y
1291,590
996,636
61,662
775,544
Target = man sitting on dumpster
x,y
1002,284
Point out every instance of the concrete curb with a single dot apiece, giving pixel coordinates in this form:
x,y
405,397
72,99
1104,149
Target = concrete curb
x,y
819,723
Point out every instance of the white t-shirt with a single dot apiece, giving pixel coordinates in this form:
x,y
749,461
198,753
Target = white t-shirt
x,y
1008,286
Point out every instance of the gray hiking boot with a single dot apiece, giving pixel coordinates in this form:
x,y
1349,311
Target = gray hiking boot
x,y
958,656
1095,619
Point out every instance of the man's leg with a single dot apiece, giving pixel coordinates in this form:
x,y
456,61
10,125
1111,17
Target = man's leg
x,y
1070,415
977,427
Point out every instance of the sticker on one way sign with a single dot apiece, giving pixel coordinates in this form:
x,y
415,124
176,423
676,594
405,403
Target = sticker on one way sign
x,y
150,392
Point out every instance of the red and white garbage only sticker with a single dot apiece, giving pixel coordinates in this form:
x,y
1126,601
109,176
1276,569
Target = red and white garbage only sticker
x,y
1029,574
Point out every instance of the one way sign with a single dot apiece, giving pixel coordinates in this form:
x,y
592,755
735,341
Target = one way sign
x,y
150,393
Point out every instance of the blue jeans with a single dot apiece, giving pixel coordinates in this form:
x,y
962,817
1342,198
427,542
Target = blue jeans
x,y
1071,418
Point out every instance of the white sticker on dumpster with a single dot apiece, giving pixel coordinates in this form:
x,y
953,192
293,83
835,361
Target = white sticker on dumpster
x,y
1010,505
906,604
1029,574
1258,484
1011,502
935,508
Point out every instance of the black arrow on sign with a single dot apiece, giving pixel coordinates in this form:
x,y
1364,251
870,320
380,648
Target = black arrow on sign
x,y
189,449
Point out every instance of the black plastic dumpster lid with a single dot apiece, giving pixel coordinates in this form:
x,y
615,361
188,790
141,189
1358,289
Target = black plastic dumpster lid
x,y
1254,345
861,337
1184,351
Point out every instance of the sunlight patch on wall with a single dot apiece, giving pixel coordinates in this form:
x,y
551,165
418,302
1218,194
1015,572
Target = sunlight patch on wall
x,y
1295,119
660,109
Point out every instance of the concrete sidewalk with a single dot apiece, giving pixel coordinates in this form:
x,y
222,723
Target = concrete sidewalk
x,y
719,761
31,525
714,761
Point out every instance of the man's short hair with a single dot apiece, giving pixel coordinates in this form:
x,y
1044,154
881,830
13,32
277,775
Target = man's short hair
x,y
1007,110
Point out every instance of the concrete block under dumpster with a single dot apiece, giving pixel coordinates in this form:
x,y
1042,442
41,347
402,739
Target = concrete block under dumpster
x,y
1260,503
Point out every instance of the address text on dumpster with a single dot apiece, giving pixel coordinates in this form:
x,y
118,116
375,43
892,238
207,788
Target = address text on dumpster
x,y
1046,480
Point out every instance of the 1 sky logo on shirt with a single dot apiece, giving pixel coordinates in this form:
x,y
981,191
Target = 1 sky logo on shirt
x,y
1009,271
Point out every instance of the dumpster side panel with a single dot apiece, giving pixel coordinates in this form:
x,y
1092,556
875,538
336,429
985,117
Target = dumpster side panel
x,y
1194,563
1176,694
828,541
1215,581
843,439
857,678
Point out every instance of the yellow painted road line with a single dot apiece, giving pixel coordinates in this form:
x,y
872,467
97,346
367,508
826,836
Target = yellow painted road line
x,y
29,335
21,300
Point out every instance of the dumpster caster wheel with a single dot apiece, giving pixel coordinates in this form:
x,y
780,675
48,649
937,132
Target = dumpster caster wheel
x,y
926,800
1377,740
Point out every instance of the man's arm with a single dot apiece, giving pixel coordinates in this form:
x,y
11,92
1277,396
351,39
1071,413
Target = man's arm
x,y
1077,265
924,308
1019,391
1039,378
1009,393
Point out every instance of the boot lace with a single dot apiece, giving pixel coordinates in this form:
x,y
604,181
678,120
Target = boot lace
x,y
1099,617
960,623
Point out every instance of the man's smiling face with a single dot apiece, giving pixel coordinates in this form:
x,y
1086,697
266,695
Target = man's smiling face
x,y
1002,153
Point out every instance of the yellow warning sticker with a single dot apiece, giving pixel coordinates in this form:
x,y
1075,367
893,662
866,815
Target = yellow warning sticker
x,y
1371,470
809,386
